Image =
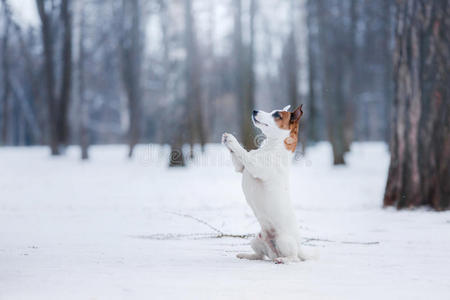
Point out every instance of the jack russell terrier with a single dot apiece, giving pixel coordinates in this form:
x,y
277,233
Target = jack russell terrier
x,y
265,182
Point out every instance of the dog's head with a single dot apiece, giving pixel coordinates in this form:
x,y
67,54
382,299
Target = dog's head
x,y
279,124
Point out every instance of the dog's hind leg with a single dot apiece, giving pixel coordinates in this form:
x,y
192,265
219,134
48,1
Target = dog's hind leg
x,y
260,250
253,256
287,250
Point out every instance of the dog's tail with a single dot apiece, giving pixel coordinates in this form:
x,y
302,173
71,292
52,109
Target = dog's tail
x,y
308,256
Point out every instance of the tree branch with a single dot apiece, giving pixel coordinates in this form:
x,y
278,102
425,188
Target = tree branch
x,y
221,234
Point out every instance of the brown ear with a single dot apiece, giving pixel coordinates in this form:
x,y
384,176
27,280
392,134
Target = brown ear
x,y
296,114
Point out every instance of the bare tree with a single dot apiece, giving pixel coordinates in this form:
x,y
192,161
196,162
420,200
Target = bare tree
x,y
245,81
349,70
387,35
351,64
290,61
312,115
291,68
19,124
176,158
249,96
238,53
331,41
193,81
210,75
420,138
131,51
47,41
58,101
175,136
6,110
83,106
66,84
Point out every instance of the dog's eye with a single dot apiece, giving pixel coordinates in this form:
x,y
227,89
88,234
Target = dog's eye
x,y
277,115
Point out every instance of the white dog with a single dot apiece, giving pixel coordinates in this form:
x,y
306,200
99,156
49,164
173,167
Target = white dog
x,y
265,181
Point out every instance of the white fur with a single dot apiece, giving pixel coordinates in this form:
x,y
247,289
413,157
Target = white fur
x,y
286,108
265,182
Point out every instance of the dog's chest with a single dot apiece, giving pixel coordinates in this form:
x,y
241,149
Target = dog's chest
x,y
268,197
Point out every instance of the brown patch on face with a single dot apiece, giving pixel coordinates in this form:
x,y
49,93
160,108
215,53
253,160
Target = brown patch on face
x,y
289,121
282,119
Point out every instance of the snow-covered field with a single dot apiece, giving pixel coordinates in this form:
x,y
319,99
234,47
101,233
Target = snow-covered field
x,y
118,229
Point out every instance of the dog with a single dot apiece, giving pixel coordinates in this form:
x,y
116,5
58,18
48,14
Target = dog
x,y
265,182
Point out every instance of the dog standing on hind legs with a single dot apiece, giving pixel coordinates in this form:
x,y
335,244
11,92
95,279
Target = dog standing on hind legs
x,y
265,182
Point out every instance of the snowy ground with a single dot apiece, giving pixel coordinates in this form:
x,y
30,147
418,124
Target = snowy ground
x,y
118,229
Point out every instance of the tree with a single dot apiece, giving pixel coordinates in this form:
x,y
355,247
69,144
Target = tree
x,y
349,48
419,170
66,84
249,95
352,54
290,61
82,103
332,40
312,127
176,131
245,78
131,51
193,82
387,7
57,99
6,111
20,89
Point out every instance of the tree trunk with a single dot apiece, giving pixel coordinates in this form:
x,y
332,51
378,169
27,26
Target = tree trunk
x,y
387,57
330,38
239,60
349,119
193,83
58,103
420,137
6,111
176,158
312,126
47,40
66,71
83,105
33,108
245,81
291,69
131,68
249,89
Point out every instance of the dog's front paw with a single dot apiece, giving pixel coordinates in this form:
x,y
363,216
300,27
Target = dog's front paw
x,y
229,141
224,138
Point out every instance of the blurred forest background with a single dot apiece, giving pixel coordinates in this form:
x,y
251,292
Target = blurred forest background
x,y
181,72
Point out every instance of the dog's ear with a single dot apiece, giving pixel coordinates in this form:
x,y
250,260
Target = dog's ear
x,y
286,108
296,114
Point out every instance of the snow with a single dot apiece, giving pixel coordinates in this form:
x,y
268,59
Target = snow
x,y
113,228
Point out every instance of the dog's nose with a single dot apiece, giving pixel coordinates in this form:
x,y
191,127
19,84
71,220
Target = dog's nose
x,y
255,112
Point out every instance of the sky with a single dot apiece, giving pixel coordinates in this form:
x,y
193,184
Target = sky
x,y
25,11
